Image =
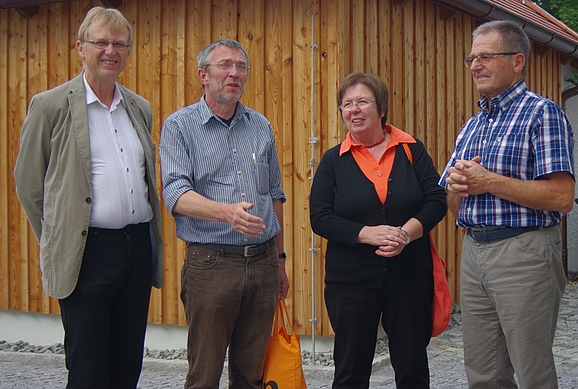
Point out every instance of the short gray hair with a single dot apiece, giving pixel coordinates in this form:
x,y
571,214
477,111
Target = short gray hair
x,y
514,39
204,56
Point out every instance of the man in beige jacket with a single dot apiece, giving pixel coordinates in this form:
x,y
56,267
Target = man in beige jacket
x,y
85,177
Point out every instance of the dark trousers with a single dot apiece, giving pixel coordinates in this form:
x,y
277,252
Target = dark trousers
x,y
230,303
405,308
105,317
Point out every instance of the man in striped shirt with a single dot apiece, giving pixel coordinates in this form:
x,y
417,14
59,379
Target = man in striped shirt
x,y
509,181
221,181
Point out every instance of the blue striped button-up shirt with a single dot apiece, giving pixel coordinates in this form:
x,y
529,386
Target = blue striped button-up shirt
x,y
227,164
524,136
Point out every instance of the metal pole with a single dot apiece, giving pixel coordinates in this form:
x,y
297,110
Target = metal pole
x,y
312,142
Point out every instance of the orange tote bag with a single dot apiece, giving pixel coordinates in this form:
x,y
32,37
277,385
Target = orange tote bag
x,y
442,300
283,368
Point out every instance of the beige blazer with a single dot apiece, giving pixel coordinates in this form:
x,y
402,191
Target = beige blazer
x,y
53,180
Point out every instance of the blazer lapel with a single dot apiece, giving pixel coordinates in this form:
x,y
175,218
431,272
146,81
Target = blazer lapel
x,y
79,119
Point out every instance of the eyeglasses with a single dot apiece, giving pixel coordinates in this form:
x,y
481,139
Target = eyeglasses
x,y
361,104
101,45
227,66
483,58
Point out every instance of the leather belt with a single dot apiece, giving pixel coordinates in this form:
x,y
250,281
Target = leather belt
x,y
490,234
244,251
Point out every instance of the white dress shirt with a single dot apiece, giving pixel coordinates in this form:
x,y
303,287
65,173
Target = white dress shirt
x,y
119,190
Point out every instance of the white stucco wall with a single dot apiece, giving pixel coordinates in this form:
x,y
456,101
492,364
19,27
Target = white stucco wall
x,y
571,109
45,330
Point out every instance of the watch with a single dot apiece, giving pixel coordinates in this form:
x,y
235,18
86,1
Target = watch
x,y
282,256
407,236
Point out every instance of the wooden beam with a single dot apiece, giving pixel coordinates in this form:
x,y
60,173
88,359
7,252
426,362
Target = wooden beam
x,y
540,49
28,12
111,3
401,3
447,14
565,58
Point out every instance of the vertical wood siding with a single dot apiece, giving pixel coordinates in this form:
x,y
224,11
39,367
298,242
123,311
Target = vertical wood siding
x,y
296,67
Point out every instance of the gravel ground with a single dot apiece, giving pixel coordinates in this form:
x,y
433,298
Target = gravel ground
x,y
24,366
321,359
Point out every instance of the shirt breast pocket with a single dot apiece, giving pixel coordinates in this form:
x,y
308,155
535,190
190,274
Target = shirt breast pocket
x,y
262,175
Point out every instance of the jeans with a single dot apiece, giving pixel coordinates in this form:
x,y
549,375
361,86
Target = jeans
x,y
229,301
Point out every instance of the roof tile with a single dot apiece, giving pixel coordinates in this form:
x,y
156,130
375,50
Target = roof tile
x,y
538,16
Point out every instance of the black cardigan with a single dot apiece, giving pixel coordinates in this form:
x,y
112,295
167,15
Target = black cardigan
x,y
343,201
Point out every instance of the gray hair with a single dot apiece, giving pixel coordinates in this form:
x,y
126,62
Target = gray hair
x,y
514,39
204,56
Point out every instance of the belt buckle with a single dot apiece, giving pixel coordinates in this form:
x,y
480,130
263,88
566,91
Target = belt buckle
x,y
247,248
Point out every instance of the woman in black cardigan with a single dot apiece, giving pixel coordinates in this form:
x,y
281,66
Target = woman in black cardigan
x,y
375,198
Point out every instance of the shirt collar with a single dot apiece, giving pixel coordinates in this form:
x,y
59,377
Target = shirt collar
x,y
397,136
505,98
91,97
207,113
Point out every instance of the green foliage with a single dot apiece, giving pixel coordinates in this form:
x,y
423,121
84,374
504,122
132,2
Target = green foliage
x,y
564,10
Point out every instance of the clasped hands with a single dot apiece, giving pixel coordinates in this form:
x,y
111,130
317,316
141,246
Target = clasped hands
x,y
468,177
390,240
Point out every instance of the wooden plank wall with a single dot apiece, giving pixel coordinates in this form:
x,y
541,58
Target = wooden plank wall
x,y
299,51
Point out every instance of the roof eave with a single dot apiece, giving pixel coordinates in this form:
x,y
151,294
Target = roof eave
x,y
485,11
27,3
28,8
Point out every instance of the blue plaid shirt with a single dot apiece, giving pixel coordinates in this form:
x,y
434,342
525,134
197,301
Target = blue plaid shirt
x,y
524,136
225,163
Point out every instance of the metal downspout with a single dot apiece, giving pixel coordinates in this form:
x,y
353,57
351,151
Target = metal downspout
x,y
566,95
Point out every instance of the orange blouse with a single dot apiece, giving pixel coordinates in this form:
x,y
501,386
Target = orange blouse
x,y
377,171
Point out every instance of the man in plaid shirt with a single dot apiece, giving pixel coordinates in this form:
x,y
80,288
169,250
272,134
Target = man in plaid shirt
x,y
509,180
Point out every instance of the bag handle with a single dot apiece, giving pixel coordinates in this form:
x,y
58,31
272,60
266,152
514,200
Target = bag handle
x,y
282,319
408,152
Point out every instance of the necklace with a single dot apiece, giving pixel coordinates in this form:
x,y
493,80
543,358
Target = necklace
x,y
375,144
